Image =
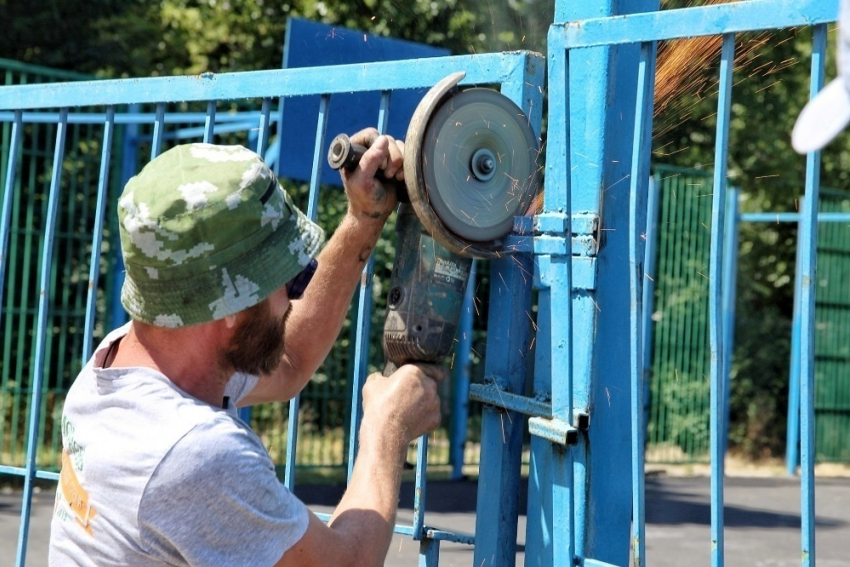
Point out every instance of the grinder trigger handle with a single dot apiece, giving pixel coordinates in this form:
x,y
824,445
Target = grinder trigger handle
x,y
344,154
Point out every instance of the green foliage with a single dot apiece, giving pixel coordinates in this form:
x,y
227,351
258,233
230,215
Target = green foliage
x,y
137,38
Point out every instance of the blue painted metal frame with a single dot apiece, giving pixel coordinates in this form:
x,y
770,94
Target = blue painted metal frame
x,y
579,292
521,78
580,35
718,19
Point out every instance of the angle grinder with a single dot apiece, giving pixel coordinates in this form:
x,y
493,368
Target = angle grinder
x,y
470,167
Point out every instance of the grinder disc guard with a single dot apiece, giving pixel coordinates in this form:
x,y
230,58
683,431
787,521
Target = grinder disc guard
x,y
476,169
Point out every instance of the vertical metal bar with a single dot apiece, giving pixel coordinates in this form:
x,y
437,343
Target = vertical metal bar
x,y
14,142
650,268
808,267
41,335
364,323
460,377
508,343
429,553
792,438
319,153
209,123
730,277
421,487
501,430
129,166
551,533
312,210
263,135
715,297
158,130
25,320
6,211
97,234
638,180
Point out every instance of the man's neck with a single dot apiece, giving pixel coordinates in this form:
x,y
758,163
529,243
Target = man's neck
x,y
187,356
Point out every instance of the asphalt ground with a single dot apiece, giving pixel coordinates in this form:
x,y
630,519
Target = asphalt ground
x,y
762,518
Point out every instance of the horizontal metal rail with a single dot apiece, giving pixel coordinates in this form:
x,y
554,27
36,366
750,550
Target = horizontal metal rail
x,y
791,217
131,117
339,79
21,471
685,23
429,533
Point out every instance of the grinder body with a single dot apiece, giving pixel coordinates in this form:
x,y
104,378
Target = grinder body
x,y
426,293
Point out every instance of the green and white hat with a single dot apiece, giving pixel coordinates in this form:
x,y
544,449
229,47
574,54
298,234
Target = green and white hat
x,y
207,231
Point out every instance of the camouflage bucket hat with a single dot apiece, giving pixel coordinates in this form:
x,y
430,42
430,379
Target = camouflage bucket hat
x,y
207,231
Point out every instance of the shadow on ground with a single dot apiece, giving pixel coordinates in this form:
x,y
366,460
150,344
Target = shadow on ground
x,y
668,501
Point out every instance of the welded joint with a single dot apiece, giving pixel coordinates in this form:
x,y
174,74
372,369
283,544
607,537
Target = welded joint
x,y
553,430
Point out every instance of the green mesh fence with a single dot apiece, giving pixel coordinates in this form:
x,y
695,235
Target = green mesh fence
x,y
678,426
832,334
678,408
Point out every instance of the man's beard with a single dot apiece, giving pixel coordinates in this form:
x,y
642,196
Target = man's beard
x,y
257,344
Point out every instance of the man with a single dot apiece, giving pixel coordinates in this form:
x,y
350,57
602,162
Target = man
x,y
157,469
828,113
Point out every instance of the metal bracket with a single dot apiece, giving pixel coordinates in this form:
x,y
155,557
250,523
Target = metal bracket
x,y
555,430
583,229
541,423
550,240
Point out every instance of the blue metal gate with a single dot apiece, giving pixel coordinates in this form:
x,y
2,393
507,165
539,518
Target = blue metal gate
x,y
583,249
578,484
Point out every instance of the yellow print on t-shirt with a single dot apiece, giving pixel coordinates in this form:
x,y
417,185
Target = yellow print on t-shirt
x,y
75,494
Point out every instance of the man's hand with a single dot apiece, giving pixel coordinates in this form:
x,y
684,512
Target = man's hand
x,y
405,404
367,196
396,410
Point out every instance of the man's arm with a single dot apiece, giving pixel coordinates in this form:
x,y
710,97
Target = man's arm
x,y
396,410
316,318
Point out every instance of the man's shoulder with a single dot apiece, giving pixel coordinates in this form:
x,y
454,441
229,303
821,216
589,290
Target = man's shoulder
x,y
219,439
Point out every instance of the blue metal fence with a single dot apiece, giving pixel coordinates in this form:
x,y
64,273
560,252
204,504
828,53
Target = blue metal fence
x,y
519,75
584,250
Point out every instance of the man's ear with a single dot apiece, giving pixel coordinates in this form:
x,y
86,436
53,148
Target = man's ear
x,y
230,321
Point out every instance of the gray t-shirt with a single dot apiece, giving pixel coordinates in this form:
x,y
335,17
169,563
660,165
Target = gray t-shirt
x,y
152,476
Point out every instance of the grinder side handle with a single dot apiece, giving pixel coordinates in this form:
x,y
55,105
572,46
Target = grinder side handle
x,y
344,154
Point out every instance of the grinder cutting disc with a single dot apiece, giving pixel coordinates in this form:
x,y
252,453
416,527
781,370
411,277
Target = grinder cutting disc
x,y
476,168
